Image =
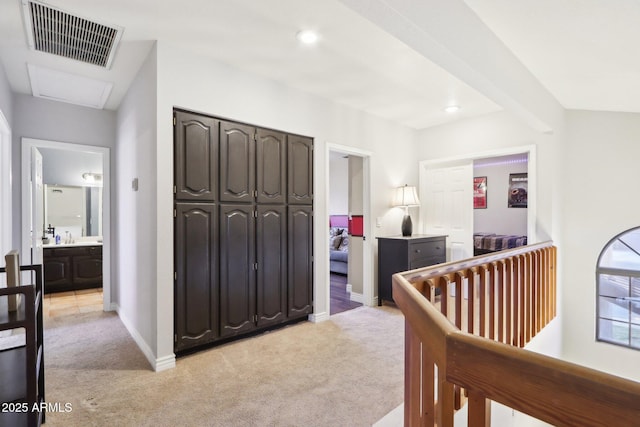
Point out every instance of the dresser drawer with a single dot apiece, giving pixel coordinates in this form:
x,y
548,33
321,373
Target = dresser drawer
x,y
421,250
425,262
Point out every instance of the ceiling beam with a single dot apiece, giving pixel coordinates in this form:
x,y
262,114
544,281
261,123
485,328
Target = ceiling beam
x,y
450,34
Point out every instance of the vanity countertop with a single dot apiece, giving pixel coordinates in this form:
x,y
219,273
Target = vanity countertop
x,y
71,245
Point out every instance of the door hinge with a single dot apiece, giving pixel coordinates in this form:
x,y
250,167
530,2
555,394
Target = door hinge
x,y
255,318
255,214
175,189
175,213
255,137
175,275
175,337
255,266
255,193
174,120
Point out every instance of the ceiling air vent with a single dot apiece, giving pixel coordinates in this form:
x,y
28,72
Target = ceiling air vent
x,y
54,31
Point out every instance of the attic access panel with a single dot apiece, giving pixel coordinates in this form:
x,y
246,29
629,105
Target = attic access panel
x,y
54,31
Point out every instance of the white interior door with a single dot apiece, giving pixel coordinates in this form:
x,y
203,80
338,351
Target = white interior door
x,y
37,206
447,200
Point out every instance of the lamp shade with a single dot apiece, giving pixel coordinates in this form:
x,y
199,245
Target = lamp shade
x,y
406,196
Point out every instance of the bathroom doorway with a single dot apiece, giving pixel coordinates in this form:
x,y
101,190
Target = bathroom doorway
x,y
62,159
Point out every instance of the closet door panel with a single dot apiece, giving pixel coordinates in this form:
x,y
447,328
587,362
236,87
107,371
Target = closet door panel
x,y
300,170
300,262
271,247
237,269
196,157
196,263
237,162
271,169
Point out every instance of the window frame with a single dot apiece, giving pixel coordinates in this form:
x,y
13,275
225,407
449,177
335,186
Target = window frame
x,y
620,272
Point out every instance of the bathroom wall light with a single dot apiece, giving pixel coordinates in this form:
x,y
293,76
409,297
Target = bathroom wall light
x,y
307,36
91,177
452,109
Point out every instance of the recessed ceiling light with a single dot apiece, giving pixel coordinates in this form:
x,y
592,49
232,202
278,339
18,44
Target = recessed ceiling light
x,y
452,108
307,36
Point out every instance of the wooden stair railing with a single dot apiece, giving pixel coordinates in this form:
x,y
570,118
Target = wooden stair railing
x,y
465,325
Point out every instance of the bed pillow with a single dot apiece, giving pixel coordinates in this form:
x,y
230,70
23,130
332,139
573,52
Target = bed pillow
x,y
335,242
344,245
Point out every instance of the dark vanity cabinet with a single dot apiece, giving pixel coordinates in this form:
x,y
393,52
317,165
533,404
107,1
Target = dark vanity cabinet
x,y
243,249
70,268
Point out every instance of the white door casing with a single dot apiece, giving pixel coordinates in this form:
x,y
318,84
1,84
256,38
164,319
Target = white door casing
x,y
26,239
6,229
37,206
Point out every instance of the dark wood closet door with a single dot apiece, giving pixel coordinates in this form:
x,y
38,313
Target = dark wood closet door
x,y
237,163
300,170
271,246
237,269
300,262
196,263
196,157
271,159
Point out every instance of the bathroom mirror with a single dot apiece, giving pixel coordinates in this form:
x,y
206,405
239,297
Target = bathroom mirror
x,y
76,210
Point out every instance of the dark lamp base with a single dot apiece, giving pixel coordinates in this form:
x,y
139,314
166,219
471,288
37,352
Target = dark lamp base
x,y
407,226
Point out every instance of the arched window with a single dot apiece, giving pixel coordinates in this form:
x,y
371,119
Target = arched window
x,y
618,279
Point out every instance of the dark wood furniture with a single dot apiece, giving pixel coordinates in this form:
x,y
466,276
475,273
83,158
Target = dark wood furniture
x,y
69,268
396,254
243,228
22,367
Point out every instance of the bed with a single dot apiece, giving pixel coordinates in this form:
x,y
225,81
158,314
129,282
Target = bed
x,y
338,244
484,243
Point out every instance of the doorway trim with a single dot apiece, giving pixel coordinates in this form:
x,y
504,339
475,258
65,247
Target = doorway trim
x,y
368,291
530,150
6,212
27,144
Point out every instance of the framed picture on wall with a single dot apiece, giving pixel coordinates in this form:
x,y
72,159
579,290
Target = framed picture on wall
x,y
480,192
518,183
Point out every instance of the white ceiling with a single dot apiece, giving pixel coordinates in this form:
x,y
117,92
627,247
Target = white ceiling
x,y
581,51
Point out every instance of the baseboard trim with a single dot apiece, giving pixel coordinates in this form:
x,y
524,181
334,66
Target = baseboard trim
x,y
355,297
164,363
160,364
318,317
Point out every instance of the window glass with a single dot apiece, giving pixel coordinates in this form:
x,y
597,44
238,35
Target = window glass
x,y
614,309
619,255
614,286
615,332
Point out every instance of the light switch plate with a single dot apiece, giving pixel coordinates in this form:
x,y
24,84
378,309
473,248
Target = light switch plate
x,y
134,184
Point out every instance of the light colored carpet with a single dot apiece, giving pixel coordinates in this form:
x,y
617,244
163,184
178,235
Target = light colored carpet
x,y
347,371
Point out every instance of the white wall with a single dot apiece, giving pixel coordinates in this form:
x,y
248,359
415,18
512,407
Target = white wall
x,y
6,97
600,176
338,185
6,115
55,121
135,218
189,81
498,217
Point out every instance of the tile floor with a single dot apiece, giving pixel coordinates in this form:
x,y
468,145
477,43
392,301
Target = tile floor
x,y
72,302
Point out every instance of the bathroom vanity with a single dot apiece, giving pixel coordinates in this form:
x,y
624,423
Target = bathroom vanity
x,y
73,266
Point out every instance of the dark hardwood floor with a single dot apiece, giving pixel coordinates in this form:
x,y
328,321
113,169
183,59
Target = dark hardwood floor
x,y
339,296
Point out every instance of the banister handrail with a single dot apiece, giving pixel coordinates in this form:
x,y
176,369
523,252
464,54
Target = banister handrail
x,y
422,274
549,389
552,390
